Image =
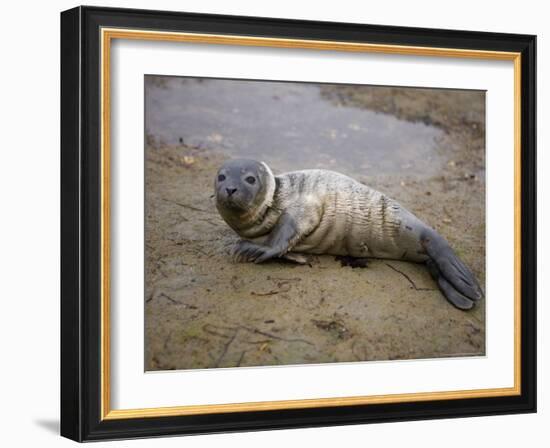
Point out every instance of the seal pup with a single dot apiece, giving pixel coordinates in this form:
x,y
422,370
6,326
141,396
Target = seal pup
x,y
324,212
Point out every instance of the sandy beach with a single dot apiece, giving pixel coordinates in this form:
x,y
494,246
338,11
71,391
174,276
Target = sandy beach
x,y
422,147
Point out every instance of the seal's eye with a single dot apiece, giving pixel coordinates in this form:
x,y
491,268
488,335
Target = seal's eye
x,y
221,178
250,180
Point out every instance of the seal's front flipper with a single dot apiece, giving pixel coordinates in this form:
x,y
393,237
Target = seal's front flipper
x,y
246,251
281,239
277,244
449,266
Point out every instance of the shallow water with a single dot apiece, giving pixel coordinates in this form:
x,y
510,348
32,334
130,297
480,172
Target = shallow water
x,y
288,125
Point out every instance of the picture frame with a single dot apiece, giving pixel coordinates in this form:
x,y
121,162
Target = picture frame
x,y
86,37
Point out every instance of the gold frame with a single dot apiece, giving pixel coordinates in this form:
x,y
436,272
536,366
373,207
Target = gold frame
x,y
107,35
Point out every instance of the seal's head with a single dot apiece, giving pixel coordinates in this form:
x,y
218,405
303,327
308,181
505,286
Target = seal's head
x,y
244,188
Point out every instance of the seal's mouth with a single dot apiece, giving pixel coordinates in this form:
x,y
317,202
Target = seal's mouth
x,y
232,202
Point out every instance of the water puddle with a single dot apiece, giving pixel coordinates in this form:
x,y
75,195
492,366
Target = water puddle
x,y
288,125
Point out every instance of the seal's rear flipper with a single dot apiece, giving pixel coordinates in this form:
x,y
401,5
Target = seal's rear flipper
x,y
458,280
451,294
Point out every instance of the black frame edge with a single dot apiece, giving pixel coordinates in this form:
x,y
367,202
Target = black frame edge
x,y
71,383
80,311
309,29
529,223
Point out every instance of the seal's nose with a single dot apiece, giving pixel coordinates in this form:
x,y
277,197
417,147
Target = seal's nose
x,y
230,191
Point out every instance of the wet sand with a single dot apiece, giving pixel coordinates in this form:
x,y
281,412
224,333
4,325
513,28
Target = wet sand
x,y
424,148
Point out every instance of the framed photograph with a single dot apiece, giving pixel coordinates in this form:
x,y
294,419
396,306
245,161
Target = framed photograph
x,y
272,223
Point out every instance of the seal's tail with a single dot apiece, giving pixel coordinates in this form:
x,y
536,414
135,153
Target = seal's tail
x,y
455,280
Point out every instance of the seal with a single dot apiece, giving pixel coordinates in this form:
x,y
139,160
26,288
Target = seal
x,y
324,212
